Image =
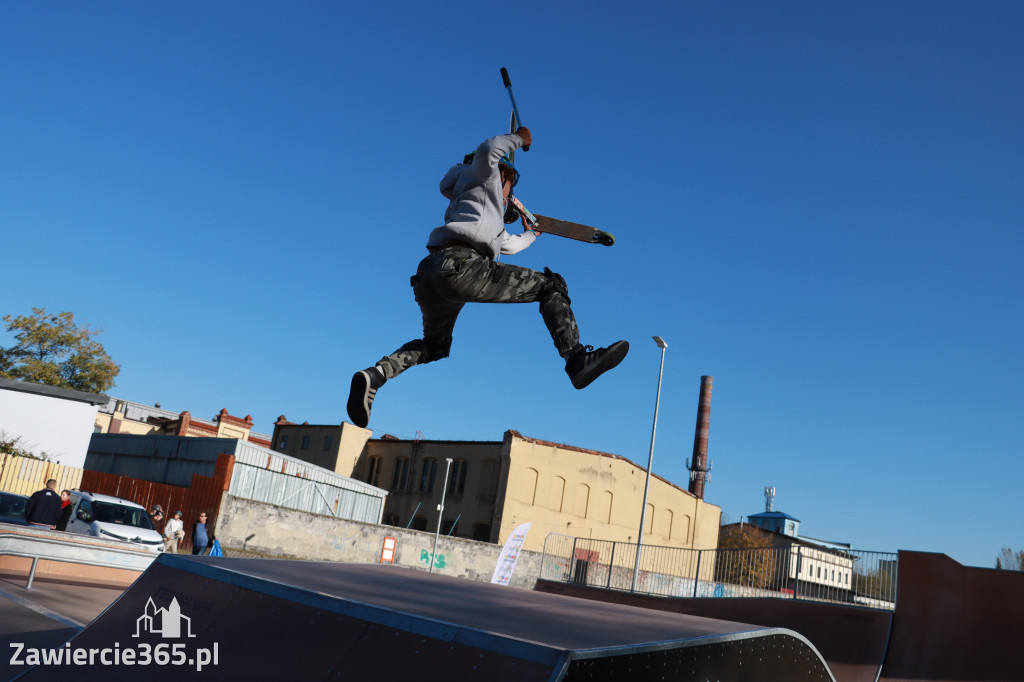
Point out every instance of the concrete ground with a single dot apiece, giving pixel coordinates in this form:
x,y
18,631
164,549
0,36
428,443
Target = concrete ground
x,y
46,616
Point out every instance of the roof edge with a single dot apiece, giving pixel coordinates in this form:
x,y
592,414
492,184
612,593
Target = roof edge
x,y
54,392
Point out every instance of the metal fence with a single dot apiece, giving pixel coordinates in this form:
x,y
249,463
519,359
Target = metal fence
x,y
797,571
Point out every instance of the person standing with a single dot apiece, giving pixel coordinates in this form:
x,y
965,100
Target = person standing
x,y
43,507
65,510
200,535
156,516
174,530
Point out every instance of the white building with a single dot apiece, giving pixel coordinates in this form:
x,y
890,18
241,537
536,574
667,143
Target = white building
x,y
56,422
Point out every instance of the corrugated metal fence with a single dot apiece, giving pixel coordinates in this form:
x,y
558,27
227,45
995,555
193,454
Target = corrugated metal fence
x,y
203,495
267,476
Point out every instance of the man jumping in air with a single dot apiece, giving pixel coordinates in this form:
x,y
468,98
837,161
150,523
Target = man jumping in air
x,y
462,267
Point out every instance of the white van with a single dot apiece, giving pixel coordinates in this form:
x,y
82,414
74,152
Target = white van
x,y
112,518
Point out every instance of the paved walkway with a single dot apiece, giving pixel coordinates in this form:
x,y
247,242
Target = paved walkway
x,y
46,616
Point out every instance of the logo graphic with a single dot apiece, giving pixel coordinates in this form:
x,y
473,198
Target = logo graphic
x,y
164,622
168,623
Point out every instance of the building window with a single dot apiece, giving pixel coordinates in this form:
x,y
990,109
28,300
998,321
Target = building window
x,y
582,500
429,475
450,527
305,442
490,477
482,532
556,493
328,442
419,523
527,491
401,478
373,475
282,443
457,481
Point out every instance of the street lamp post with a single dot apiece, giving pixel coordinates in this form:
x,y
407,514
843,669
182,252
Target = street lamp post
x,y
650,462
440,512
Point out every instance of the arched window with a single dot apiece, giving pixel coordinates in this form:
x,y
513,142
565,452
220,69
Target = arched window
x,y
582,500
401,477
429,475
457,479
556,493
528,486
489,479
374,466
604,506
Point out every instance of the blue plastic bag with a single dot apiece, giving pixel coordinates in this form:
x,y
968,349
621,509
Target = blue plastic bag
x,y
216,550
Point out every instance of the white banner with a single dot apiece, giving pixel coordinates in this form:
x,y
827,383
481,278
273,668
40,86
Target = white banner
x,y
510,555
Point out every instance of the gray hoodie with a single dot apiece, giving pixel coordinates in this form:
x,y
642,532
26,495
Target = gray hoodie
x,y
477,208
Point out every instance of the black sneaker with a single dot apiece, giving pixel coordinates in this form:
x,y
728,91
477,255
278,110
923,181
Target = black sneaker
x,y
586,364
360,397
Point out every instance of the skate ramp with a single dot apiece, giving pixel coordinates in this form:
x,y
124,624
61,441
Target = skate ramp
x,y
852,640
954,622
272,620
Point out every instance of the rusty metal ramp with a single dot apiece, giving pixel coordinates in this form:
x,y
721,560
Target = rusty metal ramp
x,y
219,618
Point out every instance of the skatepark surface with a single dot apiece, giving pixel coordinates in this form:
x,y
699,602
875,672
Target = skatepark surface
x,y
267,619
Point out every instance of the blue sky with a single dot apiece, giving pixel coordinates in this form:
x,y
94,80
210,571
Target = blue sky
x,y
818,204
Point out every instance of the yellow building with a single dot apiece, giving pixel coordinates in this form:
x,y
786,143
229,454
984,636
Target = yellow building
x,y
493,487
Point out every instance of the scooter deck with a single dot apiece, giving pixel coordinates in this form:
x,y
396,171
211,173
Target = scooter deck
x,y
564,228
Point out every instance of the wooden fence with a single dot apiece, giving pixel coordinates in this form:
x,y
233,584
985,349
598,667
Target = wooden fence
x,y
24,475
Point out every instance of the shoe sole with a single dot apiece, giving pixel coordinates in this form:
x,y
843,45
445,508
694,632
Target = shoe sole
x,y
358,409
616,353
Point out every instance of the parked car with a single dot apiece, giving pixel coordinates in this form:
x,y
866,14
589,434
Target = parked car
x,y
112,518
12,508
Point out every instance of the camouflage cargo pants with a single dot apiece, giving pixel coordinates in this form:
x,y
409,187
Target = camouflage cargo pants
x,y
447,280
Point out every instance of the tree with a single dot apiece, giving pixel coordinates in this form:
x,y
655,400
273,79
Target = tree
x,y
1010,560
877,581
15,445
53,350
745,557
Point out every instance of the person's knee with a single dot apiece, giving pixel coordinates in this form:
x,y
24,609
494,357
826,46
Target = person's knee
x,y
555,286
438,350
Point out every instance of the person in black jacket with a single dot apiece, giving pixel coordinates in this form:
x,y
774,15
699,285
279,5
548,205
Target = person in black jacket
x,y
43,508
65,510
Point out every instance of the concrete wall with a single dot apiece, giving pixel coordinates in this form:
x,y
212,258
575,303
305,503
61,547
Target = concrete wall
x,y
258,527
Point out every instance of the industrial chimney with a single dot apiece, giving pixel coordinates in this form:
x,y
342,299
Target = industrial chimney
x,y
699,468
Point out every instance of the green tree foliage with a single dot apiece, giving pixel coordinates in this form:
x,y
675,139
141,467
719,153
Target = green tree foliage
x,y
745,557
53,350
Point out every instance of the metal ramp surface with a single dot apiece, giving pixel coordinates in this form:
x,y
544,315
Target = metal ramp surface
x,y
259,619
